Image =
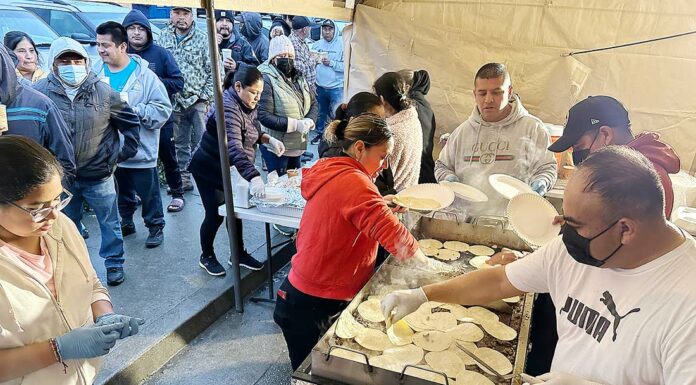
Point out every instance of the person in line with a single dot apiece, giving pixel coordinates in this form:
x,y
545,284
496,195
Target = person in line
x,y
57,317
279,27
620,275
288,108
162,63
600,121
76,89
241,96
327,270
251,26
33,115
228,37
403,121
189,46
28,61
418,83
305,63
329,75
130,76
500,137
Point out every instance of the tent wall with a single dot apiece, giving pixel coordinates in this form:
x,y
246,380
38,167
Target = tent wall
x,y
452,39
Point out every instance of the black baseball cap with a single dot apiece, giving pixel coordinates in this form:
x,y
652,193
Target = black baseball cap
x,y
328,23
226,14
591,113
190,9
299,22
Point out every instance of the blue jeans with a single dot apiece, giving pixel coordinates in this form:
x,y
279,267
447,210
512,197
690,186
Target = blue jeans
x,y
145,183
101,197
281,164
328,99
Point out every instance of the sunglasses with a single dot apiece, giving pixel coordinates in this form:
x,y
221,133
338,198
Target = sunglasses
x,y
38,215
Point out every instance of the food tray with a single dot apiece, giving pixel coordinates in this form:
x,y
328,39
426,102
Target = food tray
x,y
328,369
286,211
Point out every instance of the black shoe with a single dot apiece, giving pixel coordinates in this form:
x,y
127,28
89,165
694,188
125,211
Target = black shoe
x,y
249,262
155,238
114,276
316,139
211,266
187,185
85,233
307,156
284,230
127,229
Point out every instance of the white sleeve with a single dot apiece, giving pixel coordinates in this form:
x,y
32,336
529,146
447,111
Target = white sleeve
x,y
679,355
532,274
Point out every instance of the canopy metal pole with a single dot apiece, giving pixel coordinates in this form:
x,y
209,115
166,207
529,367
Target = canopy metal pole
x,y
224,160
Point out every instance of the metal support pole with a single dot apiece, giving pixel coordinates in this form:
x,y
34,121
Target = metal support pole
x,y
224,160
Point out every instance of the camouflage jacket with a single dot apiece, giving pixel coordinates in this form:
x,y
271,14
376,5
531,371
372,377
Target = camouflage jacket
x,y
193,58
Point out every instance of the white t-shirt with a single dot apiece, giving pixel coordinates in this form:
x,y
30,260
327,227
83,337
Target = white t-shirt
x,y
618,326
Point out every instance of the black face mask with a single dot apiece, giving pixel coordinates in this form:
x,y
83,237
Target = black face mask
x,y
579,247
580,155
285,65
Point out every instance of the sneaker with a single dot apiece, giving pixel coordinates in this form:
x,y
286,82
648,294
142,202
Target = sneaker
x,y
127,229
114,276
211,266
316,139
155,238
85,233
249,262
188,186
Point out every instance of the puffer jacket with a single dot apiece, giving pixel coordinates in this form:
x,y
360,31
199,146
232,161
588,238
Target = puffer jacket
x,y
243,133
284,98
193,57
97,116
30,314
33,115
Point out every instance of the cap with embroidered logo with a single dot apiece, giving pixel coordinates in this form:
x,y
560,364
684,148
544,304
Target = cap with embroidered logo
x,y
589,114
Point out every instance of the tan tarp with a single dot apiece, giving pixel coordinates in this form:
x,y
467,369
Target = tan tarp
x,y
452,39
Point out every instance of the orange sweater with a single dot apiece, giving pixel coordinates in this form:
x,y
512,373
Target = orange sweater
x,y
343,222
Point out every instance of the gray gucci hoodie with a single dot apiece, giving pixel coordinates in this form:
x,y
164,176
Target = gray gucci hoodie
x,y
516,146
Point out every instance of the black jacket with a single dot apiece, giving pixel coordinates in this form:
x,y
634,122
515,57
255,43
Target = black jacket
x,y
242,52
96,116
253,32
420,88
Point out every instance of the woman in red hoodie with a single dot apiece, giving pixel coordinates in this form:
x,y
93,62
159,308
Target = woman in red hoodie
x,y
344,221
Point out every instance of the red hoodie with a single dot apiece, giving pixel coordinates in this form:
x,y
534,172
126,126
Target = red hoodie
x,y
343,222
663,158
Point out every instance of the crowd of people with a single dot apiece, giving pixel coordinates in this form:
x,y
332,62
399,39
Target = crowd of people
x,y
93,133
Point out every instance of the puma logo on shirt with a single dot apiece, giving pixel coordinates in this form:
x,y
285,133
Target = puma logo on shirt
x,y
590,319
608,300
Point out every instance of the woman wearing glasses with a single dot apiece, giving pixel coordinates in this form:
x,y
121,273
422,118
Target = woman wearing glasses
x,y
344,221
56,317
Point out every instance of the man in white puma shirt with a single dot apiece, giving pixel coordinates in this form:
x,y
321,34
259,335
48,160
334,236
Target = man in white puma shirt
x,y
621,277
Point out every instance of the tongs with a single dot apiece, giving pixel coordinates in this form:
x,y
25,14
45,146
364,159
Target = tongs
x,y
479,361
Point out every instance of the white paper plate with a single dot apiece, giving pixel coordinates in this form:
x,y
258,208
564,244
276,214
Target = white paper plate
x,y
441,194
508,186
274,195
466,192
531,216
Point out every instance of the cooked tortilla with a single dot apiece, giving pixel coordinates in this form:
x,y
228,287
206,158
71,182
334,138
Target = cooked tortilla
x,y
373,340
433,341
447,255
456,246
444,361
494,359
400,333
371,310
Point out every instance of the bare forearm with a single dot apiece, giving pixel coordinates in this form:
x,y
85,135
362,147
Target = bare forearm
x,y
475,288
18,362
101,307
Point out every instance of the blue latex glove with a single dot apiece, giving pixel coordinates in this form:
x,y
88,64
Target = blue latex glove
x,y
540,186
88,342
452,178
130,324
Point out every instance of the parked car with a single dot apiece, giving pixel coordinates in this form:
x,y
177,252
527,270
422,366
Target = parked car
x,y
19,19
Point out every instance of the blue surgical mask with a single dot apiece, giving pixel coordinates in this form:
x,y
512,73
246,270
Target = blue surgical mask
x,y
72,75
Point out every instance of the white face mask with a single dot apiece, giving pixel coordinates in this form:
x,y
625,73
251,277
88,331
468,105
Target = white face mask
x,y
72,75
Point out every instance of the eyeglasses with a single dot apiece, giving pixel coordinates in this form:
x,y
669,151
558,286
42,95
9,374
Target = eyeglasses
x,y
39,215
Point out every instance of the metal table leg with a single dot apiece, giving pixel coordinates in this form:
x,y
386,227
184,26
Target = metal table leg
x,y
269,264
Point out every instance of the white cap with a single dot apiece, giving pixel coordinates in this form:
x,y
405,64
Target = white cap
x,y
280,45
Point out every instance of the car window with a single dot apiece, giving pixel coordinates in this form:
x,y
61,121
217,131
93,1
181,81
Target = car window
x,y
97,18
15,20
66,24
